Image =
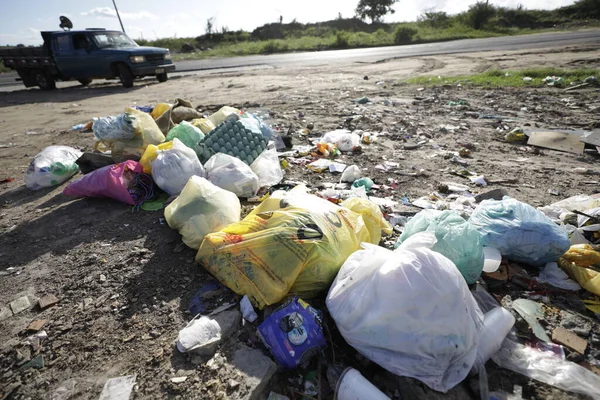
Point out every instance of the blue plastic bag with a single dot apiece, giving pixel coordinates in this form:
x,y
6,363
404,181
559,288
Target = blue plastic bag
x,y
457,239
293,333
519,231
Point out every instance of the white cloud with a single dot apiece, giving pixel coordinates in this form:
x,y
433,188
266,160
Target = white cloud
x,y
107,12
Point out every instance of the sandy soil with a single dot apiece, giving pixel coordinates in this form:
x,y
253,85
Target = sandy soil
x,y
126,321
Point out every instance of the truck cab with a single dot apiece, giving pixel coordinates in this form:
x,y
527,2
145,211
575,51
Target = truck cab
x,y
86,55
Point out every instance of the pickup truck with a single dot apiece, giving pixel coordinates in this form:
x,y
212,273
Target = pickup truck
x,y
85,55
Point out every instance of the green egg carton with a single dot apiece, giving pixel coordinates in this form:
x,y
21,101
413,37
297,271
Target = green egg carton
x,y
232,137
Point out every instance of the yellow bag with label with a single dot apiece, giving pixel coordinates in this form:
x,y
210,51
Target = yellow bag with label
x,y
292,243
204,124
151,153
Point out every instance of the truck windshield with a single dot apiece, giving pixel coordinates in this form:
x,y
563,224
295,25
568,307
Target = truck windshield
x,y
112,39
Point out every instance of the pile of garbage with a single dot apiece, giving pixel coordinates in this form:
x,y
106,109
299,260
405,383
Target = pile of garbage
x,y
422,310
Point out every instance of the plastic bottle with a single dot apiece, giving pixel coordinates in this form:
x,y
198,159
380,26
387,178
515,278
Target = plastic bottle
x,y
496,325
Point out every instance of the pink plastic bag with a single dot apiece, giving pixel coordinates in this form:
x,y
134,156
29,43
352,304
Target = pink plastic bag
x,y
124,182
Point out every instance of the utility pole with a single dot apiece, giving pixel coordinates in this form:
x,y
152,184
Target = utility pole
x,y
119,16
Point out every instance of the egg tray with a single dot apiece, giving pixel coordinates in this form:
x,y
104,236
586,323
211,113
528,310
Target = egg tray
x,y
232,137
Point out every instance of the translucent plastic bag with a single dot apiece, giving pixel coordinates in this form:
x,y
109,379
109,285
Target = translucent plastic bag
x,y
187,133
172,168
293,242
200,209
519,231
408,310
119,127
267,168
230,173
52,166
147,128
342,138
456,238
222,114
203,124
151,153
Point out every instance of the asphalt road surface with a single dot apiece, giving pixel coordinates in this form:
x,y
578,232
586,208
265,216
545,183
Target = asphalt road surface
x,y
375,54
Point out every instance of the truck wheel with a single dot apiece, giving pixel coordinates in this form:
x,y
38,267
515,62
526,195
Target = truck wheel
x,y
85,82
45,81
125,75
162,77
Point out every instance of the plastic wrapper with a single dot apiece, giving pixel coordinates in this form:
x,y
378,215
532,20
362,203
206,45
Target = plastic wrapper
x,y
232,174
200,209
172,168
519,231
124,182
52,166
267,168
408,310
545,366
293,333
187,133
456,238
293,242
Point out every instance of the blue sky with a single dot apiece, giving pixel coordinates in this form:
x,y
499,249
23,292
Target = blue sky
x,y
22,20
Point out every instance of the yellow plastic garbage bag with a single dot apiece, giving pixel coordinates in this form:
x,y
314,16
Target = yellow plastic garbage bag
x,y
576,263
204,124
292,243
150,155
148,129
160,109
223,113
200,209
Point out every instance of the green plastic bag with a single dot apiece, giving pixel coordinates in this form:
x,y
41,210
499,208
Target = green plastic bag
x,y
187,133
457,240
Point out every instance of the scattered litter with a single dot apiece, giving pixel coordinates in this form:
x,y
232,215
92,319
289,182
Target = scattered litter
x,y
118,388
199,334
247,310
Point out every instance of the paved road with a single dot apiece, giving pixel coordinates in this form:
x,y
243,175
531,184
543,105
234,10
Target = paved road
x,y
543,40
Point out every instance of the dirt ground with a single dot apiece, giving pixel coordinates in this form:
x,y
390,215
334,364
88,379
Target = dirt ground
x,y
123,278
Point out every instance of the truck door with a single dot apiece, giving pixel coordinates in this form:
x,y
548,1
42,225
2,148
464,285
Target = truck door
x,y
64,56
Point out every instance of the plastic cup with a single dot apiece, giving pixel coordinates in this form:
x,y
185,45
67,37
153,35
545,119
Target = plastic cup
x,y
492,259
496,325
353,386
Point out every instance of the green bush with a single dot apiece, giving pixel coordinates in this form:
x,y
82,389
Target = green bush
x,y
479,14
342,40
274,46
435,19
404,34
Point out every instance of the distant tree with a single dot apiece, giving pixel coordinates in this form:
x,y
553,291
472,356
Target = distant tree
x,y
281,19
374,9
210,24
340,15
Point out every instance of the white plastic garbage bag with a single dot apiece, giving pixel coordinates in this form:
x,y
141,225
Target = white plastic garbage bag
x,y
232,174
351,174
267,168
174,167
342,138
52,166
408,310
200,209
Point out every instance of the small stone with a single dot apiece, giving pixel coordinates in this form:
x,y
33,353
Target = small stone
x,y
5,313
255,369
102,278
179,379
88,302
48,301
36,325
233,384
20,304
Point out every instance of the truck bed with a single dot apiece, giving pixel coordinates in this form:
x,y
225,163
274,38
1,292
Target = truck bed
x,y
26,57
